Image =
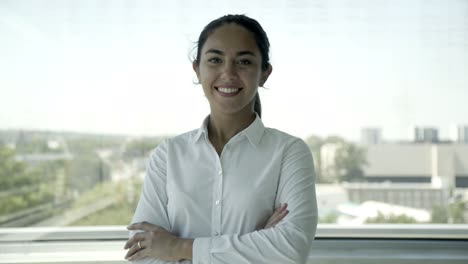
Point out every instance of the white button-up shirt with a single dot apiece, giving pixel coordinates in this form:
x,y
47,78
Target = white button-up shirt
x,y
224,201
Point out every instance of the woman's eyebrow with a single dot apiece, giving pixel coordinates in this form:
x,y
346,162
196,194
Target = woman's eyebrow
x,y
214,51
240,53
245,52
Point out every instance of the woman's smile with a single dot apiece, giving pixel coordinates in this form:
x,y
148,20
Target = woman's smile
x,y
228,91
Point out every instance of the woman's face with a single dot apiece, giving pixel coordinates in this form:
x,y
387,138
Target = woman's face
x,y
230,69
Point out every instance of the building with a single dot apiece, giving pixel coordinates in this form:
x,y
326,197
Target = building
x,y
425,134
441,165
413,195
371,136
460,134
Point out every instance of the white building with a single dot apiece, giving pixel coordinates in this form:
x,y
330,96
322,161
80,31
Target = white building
x,y
441,165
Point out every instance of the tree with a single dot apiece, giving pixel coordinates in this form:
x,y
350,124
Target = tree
x,y
440,215
391,219
85,171
457,212
139,148
452,214
12,173
21,186
349,161
335,159
330,218
315,144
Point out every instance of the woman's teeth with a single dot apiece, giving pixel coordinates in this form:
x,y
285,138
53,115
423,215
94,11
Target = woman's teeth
x,y
228,90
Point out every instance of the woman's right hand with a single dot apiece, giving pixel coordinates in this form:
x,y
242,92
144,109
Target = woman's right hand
x,y
277,216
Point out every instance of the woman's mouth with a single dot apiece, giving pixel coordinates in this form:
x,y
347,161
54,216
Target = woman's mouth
x,y
228,91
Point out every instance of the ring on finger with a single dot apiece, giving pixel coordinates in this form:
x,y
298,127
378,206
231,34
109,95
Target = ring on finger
x,y
139,245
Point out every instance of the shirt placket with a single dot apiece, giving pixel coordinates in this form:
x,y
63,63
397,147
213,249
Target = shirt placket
x,y
217,201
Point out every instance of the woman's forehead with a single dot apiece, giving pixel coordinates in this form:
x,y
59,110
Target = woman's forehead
x,y
231,38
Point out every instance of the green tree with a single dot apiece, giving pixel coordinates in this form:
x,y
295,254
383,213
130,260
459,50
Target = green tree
x,y
315,144
454,213
141,147
22,186
330,218
85,171
126,194
457,212
12,173
440,215
391,219
347,164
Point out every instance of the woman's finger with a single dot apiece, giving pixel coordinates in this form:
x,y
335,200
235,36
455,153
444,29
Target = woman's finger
x,y
278,211
277,216
280,217
138,255
133,250
137,237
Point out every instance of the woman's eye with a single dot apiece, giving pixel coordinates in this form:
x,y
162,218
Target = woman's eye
x,y
215,60
245,62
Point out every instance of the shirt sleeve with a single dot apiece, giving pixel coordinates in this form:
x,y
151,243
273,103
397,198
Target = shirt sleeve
x,y
152,206
287,242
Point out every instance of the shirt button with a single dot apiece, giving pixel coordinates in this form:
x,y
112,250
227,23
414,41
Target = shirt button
x,y
217,202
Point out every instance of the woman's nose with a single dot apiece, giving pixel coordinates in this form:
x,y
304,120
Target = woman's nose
x,y
229,70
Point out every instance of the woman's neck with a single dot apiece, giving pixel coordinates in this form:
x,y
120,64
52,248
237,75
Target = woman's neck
x,y
222,127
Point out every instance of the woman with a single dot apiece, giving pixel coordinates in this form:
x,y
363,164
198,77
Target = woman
x,y
208,193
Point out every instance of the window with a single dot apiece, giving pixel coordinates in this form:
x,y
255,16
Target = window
x,y
376,88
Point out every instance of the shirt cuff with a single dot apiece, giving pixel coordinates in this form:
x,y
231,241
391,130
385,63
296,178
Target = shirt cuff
x,y
201,250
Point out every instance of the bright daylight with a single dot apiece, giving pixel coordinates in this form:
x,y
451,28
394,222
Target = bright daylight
x,y
90,89
376,89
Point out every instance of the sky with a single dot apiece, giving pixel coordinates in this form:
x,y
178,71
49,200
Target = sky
x,y
124,66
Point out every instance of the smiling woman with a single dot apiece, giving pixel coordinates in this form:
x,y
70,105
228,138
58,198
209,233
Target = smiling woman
x,y
211,194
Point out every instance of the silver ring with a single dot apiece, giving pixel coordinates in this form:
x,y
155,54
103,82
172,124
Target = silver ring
x,y
139,245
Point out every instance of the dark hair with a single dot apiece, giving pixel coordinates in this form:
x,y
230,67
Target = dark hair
x,y
251,25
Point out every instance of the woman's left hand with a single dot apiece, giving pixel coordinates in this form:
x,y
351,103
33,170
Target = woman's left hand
x,y
156,242
278,215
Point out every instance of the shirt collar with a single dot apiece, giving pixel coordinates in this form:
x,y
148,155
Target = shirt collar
x,y
253,132
203,130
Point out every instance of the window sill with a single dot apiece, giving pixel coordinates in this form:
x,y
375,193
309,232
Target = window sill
x,y
334,244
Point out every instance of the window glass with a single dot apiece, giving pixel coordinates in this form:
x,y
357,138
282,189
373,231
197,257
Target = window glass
x,y
377,89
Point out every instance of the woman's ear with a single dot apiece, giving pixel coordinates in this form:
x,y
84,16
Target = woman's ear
x,y
265,74
196,69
